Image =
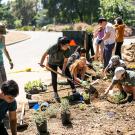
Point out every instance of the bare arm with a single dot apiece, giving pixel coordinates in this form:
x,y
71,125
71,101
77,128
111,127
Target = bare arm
x,y
106,36
109,88
13,122
65,64
43,58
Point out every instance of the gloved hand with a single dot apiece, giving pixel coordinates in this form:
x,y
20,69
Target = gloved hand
x,y
99,41
84,83
11,65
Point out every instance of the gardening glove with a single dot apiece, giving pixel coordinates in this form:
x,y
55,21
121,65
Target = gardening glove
x,y
99,42
84,83
11,64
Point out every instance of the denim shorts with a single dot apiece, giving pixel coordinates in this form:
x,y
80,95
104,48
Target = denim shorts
x,y
97,40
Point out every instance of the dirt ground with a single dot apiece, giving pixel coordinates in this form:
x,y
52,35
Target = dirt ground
x,y
100,117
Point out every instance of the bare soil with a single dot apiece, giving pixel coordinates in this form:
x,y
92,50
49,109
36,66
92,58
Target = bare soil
x,y
99,118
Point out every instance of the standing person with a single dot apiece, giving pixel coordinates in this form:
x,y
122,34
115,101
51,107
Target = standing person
x,y
57,57
119,28
9,90
3,48
98,34
108,39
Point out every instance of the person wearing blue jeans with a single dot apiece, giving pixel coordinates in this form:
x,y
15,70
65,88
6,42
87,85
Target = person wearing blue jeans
x,y
108,39
107,53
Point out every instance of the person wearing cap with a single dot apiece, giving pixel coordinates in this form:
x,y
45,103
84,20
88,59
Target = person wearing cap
x,y
3,48
108,39
125,81
57,56
114,62
119,28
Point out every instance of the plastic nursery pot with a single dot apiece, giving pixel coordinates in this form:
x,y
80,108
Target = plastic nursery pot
x,y
42,128
87,101
28,96
65,117
31,103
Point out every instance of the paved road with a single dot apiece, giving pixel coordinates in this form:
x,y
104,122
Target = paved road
x,y
28,54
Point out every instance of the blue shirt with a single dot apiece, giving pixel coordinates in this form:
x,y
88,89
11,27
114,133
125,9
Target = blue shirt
x,y
5,106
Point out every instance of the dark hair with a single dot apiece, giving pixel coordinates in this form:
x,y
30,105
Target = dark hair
x,y
81,50
62,41
119,20
10,87
102,19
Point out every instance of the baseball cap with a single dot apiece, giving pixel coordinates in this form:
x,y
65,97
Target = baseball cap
x,y
101,19
115,58
119,71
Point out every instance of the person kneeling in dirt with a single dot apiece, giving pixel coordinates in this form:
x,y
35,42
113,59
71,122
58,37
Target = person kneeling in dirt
x,y
76,71
125,81
114,62
57,56
9,90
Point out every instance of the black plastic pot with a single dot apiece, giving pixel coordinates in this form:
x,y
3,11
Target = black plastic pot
x,y
42,128
28,96
65,117
31,103
87,101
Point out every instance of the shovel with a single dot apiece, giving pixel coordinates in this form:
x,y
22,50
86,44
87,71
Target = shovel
x,y
22,125
56,72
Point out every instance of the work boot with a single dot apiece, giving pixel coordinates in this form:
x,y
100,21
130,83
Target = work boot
x,y
56,96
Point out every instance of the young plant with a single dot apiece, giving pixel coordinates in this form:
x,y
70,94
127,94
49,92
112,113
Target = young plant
x,y
64,105
52,111
82,106
39,117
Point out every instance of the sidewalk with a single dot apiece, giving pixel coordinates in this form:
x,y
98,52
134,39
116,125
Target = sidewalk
x,y
14,37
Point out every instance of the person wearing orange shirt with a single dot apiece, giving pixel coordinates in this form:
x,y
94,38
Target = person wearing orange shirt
x,y
119,28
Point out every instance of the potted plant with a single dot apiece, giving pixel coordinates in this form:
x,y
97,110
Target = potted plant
x,y
34,87
86,97
65,112
41,122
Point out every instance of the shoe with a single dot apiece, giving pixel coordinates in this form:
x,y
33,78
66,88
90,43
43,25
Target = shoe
x,y
74,91
56,96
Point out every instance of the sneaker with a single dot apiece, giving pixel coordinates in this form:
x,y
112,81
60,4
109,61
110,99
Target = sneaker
x,y
74,91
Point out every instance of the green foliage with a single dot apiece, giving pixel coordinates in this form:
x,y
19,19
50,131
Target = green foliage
x,y
52,111
25,28
86,96
39,117
36,84
64,105
90,29
18,23
67,28
82,106
115,8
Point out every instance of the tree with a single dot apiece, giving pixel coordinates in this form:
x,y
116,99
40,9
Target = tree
x,y
24,10
117,8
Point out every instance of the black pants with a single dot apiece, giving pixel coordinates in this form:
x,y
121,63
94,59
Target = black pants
x,y
3,130
67,73
118,49
54,76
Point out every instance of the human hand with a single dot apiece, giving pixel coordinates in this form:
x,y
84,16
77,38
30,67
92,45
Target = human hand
x,y
100,41
11,65
84,83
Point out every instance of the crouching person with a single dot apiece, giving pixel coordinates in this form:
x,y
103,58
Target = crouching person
x,y
76,71
114,62
125,81
9,90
